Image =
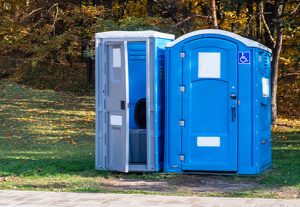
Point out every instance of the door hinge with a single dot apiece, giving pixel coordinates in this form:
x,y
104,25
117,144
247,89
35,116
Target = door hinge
x,y
182,89
181,157
181,123
182,54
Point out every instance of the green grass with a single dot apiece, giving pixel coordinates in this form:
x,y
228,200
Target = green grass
x,y
286,160
47,143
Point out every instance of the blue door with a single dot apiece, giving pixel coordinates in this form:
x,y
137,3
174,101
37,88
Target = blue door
x,y
209,113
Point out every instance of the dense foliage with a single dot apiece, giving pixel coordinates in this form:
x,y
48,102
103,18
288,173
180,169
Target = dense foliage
x,y
50,43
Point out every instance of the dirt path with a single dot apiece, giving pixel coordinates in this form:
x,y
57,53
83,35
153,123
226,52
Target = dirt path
x,y
200,185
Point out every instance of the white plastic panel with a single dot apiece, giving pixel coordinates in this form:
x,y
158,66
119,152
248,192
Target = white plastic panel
x,y
116,120
208,142
247,42
209,65
129,34
116,57
265,87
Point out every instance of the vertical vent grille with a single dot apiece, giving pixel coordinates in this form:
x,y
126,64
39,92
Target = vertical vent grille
x,y
266,61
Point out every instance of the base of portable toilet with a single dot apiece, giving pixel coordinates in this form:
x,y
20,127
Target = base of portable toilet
x,y
130,100
218,116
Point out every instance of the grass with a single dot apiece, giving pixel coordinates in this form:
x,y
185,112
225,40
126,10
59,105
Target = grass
x,y
47,143
286,159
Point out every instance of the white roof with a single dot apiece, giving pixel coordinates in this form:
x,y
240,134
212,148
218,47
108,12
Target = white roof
x,y
129,34
248,42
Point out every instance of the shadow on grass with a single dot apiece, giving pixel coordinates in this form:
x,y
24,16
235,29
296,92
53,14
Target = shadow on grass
x,y
44,132
25,166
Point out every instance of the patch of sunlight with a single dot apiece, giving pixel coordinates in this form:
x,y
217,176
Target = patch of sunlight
x,y
35,100
87,104
287,148
75,112
28,153
47,131
9,136
27,119
60,111
295,123
57,132
9,106
5,106
22,157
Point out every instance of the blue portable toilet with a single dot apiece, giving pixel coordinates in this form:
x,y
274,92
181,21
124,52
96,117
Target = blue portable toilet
x,y
217,104
130,100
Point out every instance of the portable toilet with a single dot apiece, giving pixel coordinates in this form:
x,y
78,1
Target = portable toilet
x,y
130,100
217,104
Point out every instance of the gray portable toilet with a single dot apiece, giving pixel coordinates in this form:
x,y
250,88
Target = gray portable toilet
x,y
130,100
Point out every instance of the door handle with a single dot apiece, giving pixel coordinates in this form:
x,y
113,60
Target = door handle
x,y
122,105
233,96
233,113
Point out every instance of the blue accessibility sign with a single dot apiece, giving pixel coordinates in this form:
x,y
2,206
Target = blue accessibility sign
x,y
244,57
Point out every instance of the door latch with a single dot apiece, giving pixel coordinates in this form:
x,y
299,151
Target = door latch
x,y
233,96
123,105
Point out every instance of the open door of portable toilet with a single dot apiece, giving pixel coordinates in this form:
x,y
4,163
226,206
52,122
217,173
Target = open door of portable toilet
x,y
130,100
217,104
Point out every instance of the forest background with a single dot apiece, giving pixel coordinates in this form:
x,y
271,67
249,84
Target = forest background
x,y
50,44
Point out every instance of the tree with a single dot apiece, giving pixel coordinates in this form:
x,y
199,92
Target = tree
x,y
150,8
56,37
214,14
274,29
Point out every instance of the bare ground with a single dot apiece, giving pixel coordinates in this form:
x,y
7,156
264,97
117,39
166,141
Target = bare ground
x,y
199,185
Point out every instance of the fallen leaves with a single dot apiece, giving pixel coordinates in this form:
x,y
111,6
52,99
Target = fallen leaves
x,y
3,179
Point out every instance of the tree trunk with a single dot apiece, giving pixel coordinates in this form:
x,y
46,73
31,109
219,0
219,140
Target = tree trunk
x,y
96,2
275,69
249,28
279,8
108,4
214,14
90,71
150,8
260,11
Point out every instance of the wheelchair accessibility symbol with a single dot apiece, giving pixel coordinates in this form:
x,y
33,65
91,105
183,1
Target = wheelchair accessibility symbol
x,y
244,57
